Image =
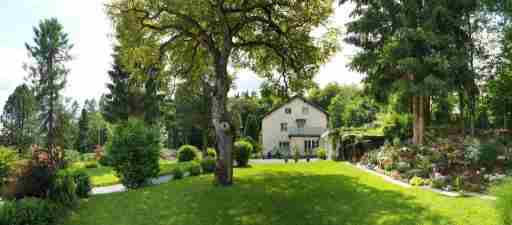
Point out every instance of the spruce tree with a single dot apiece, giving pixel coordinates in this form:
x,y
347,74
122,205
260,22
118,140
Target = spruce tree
x,y
82,142
49,53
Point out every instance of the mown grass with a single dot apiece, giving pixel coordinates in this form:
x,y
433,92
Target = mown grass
x,y
320,193
105,176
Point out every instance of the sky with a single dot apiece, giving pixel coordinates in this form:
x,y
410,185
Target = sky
x,y
91,33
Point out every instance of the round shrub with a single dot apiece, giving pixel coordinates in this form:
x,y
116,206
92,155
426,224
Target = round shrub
x,y
503,193
177,173
321,153
194,169
31,211
208,165
187,153
135,151
210,152
83,183
63,189
241,152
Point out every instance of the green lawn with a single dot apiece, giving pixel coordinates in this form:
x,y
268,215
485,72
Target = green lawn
x,y
294,194
105,176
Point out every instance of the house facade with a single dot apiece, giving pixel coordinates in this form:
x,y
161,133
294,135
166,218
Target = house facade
x,y
297,123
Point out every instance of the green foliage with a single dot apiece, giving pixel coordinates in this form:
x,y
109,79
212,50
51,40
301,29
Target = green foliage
x,y
31,179
83,183
72,156
503,194
210,152
187,153
295,153
177,173
63,189
7,157
194,169
351,110
49,53
29,211
321,153
418,181
18,118
397,126
208,164
439,182
489,155
241,152
83,132
135,152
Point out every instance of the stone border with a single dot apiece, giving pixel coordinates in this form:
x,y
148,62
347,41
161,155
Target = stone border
x,y
121,188
441,192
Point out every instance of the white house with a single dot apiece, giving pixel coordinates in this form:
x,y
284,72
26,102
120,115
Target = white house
x,y
297,123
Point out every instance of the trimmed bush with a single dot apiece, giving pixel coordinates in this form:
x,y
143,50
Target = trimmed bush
x,y
321,153
241,152
63,189
210,152
177,173
83,183
208,165
135,153
503,193
29,211
194,169
187,153
7,157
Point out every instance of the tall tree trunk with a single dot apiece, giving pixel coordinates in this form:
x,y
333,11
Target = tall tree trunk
x,y
418,107
222,124
462,111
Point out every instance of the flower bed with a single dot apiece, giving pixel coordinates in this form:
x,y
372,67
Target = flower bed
x,y
461,166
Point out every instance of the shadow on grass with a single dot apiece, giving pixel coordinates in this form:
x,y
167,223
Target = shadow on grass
x,y
280,198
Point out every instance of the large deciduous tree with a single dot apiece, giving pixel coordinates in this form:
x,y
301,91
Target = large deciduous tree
x,y
188,38
416,47
49,53
18,118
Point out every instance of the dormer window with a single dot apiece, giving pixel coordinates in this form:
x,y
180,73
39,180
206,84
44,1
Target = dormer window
x,y
288,110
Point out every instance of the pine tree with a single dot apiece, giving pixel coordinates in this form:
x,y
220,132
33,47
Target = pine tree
x,y
82,142
49,53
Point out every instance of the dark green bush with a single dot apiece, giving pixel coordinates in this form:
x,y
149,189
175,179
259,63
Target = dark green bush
x,y
135,153
63,189
503,193
208,165
194,169
397,125
106,160
187,153
488,155
29,211
32,179
177,173
83,183
241,152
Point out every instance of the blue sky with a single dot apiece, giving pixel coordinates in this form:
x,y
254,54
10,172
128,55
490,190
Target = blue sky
x,y
90,32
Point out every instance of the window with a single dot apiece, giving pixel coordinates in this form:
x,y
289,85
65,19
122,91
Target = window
x,y
310,145
288,110
305,110
301,123
284,127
